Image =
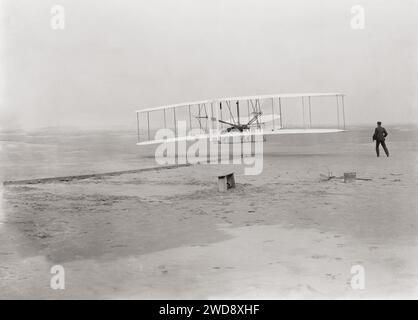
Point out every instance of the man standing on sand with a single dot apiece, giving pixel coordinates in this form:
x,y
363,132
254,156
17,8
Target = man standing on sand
x,y
380,134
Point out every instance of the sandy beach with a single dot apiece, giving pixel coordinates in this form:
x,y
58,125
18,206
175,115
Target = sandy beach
x,y
169,233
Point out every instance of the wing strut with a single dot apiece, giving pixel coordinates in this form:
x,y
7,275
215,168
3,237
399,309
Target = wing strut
x,y
310,114
238,112
137,123
303,112
338,113
190,118
342,99
149,136
175,122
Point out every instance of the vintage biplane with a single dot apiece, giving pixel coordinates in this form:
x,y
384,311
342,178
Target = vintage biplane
x,y
220,119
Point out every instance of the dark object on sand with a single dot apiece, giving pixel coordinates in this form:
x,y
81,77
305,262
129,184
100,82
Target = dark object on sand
x,y
349,176
226,182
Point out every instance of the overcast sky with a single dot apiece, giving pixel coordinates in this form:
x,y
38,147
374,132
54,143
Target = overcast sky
x,y
116,56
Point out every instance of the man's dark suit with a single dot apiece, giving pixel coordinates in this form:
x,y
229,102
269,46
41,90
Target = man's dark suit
x,y
380,134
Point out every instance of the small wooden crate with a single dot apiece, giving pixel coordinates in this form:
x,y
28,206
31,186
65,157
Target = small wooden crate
x,y
226,182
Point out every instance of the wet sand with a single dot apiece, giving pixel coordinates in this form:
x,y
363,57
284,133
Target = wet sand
x,y
171,234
